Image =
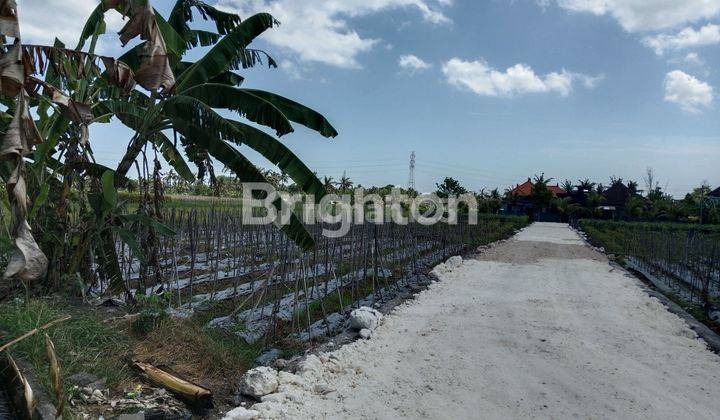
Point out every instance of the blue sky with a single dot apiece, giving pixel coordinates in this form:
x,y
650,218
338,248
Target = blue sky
x,y
487,91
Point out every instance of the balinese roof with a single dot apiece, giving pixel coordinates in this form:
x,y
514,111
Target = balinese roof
x,y
525,189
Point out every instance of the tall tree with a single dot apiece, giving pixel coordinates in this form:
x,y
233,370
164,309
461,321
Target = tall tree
x,y
450,187
586,185
633,187
541,195
345,184
329,183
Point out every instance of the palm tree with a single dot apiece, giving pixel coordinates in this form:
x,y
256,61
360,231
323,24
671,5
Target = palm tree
x,y
633,187
568,186
328,183
541,195
586,185
615,181
345,184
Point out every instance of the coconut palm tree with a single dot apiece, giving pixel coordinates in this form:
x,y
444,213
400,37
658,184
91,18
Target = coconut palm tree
x,y
616,181
345,184
586,185
540,194
633,187
329,183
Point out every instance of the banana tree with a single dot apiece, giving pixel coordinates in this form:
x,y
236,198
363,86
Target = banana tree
x,y
184,97
176,99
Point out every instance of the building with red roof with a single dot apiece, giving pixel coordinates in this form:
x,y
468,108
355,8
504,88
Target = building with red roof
x,y
519,201
525,189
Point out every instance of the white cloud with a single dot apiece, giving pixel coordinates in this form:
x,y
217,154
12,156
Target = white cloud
x,y
643,15
544,4
690,93
694,59
480,78
687,38
318,30
292,69
412,64
43,20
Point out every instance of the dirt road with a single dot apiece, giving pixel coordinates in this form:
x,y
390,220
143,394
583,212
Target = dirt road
x,y
538,326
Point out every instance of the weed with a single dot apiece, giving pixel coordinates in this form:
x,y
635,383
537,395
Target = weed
x,y
83,344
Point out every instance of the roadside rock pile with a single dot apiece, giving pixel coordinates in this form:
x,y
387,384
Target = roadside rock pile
x,y
280,392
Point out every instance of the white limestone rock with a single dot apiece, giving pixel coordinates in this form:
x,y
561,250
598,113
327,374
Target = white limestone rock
x,y
259,382
241,413
439,270
311,366
288,379
333,364
443,268
454,262
272,410
365,334
365,318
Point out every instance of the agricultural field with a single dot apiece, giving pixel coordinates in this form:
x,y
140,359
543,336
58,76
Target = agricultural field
x,y
227,292
682,260
259,284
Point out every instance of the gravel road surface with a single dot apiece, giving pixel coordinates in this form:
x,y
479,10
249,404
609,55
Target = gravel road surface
x,y
539,326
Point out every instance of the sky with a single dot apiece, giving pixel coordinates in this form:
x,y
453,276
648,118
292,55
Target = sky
x,y
486,91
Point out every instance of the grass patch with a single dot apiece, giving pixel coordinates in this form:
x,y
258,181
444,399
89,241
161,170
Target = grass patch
x,y
696,310
608,240
83,344
209,357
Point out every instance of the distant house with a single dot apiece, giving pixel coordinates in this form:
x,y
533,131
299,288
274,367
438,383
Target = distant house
x,y
525,189
518,201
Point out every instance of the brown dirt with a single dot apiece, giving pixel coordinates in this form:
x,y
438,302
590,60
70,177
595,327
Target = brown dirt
x,y
527,252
